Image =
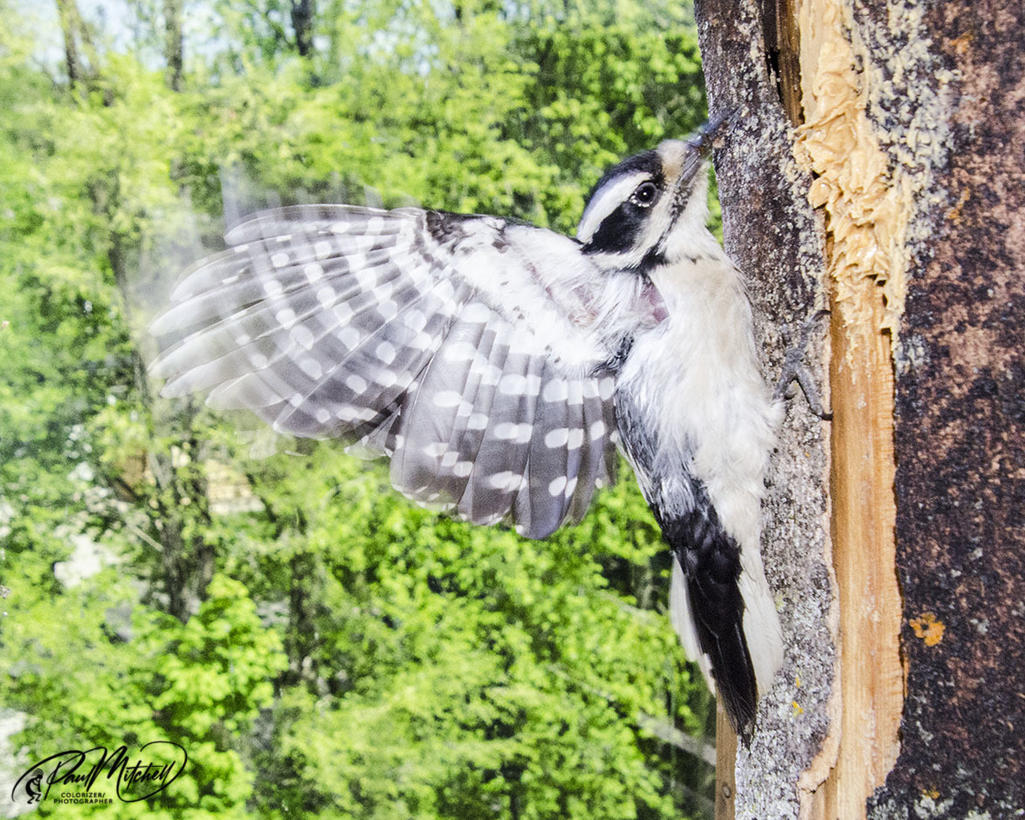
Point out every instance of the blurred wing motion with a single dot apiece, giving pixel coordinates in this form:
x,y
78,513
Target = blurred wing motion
x,y
493,363
463,348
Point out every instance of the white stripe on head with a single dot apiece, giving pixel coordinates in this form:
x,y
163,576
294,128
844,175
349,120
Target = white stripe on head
x,y
606,201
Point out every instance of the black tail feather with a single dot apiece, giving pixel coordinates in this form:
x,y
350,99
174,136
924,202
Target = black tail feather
x,y
710,559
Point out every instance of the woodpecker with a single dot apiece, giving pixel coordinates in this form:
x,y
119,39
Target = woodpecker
x,y
498,365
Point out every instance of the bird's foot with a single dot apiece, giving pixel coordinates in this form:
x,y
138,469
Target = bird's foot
x,y
794,369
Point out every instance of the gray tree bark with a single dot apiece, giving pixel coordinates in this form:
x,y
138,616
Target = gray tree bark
x,y
960,421
875,166
773,233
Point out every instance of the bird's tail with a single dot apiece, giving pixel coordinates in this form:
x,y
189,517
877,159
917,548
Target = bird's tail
x,y
721,607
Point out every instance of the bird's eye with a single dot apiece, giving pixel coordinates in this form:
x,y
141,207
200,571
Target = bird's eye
x,y
644,194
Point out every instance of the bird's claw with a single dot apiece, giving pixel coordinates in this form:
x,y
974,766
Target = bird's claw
x,y
794,369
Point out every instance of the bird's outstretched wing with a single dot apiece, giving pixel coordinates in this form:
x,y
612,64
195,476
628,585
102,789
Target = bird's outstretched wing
x,y
471,351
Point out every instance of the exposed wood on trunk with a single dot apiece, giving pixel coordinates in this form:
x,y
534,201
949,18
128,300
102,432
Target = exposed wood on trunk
x,y
782,49
871,676
866,215
726,755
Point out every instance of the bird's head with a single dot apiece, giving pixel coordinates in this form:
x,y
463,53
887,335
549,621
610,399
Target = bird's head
x,y
642,210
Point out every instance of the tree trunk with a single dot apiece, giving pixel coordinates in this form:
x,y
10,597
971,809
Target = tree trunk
x,y
174,43
180,498
875,165
302,24
77,40
960,422
67,11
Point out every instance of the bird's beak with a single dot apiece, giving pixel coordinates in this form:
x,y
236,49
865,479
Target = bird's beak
x,y
706,136
683,160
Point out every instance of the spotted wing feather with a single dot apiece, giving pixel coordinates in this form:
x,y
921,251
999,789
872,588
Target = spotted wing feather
x,y
460,347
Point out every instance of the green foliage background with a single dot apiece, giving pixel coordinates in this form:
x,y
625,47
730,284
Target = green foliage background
x,y
317,645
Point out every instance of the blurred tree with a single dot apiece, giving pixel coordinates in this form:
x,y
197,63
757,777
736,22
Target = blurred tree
x,y
174,43
302,24
78,43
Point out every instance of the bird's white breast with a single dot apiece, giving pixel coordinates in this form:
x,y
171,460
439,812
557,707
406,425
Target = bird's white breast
x,y
698,375
697,378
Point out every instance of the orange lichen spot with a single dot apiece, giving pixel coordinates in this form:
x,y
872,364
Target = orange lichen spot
x,y
963,44
797,708
933,793
954,214
929,628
